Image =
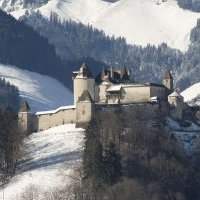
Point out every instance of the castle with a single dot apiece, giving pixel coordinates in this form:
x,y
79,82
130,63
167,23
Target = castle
x,y
112,88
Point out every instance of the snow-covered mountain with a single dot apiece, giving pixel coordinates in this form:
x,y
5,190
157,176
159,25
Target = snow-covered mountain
x,y
42,92
139,21
49,161
192,94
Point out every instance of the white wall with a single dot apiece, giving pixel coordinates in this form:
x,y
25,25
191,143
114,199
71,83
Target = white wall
x,y
82,84
134,94
46,121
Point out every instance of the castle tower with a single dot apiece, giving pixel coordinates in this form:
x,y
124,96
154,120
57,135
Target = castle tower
x,y
105,84
177,106
84,109
83,81
125,75
24,117
168,81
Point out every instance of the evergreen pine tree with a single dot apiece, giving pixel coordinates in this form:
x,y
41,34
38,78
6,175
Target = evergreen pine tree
x,y
112,164
92,157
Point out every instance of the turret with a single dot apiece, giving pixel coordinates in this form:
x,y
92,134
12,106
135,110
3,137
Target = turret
x,y
125,75
25,117
105,84
177,106
83,81
168,81
84,109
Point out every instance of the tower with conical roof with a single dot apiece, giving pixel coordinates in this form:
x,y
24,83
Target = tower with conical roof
x,y
84,109
125,75
83,81
176,102
168,81
25,117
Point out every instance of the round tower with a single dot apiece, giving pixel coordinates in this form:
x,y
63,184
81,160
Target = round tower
x,y
104,85
25,117
177,106
168,81
84,109
83,81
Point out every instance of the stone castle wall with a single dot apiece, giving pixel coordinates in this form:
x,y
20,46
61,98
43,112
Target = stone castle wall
x,y
81,85
80,114
46,120
84,111
91,99
135,94
141,110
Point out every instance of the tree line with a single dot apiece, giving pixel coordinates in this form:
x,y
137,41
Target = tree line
x,y
9,96
23,47
193,5
11,144
75,41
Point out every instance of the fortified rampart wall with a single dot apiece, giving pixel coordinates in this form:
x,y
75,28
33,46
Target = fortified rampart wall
x,y
49,119
83,112
116,121
91,98
141,110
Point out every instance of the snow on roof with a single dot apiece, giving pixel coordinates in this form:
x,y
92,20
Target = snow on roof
x,y
175,94
105,82
114,88
56,110
191,92
75,72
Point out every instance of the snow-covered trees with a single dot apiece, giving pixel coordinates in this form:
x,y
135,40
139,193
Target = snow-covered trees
x,y
23,47
74,41
190,4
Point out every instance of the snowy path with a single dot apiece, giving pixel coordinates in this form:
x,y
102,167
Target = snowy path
x,y
50,157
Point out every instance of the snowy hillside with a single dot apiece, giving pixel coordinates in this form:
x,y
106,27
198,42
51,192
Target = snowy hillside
x,y
42,92
192,94
50,159
140,21
187,136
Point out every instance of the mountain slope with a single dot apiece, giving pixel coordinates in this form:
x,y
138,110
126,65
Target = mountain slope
x,y
42,92
139,21
50,158
23,47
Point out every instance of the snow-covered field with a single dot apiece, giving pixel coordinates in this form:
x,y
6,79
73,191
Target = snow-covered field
x,y
49,161
41,92
139,21
192,94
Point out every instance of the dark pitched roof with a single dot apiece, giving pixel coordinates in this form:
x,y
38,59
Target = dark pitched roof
x,y
125,77
168,75
114,75
85,96
154,84
24,107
